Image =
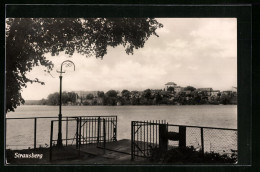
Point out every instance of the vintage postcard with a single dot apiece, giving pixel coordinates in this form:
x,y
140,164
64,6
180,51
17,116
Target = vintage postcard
x,y
121,90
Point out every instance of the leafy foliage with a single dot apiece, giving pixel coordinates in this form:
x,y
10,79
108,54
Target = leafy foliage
x,y
125,94
147,94
189,88
111,93
189,155
90,96
110,97
146,97
170,89
29,39
54,99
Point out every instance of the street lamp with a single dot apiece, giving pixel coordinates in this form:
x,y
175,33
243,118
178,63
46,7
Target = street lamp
x,y
67,63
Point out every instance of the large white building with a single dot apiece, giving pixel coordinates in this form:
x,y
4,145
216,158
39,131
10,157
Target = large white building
x,y
170,84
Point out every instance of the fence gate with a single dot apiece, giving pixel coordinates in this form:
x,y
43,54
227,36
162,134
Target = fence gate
x,y
145,137
92,132
97,130
85,132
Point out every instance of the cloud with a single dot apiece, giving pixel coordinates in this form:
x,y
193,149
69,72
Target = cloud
x,y
201,52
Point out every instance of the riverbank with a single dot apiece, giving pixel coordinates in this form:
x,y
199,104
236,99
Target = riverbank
x,y
177,104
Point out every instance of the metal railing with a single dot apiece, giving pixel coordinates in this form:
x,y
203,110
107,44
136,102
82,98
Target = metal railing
x,y
206,139
34,132
144,137
149,135
28,133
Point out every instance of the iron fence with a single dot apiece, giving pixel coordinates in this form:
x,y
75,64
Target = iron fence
x,y
68,137
28,133
150,135
145,137
206,139
87,131
95,129
33,132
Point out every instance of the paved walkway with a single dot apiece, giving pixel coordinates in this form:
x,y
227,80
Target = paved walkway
x,y
116,153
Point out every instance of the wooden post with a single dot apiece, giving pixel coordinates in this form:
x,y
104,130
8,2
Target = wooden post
x,y
202,140
182,136
163,138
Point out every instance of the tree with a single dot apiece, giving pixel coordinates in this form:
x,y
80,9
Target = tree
x,y
90,96
189,88
111,93
100,94
53,99
125,97
171,89
29,39
125,94
225,99
68,97
72,97
158,98
147,93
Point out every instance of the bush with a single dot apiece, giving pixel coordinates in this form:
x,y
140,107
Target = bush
x,y
189,155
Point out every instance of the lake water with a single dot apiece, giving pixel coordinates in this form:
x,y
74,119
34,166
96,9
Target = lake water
x,y
21,131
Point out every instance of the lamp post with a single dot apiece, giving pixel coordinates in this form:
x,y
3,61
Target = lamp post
x,y
67,63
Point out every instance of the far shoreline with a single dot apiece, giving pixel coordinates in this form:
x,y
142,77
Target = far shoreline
x,y
136,105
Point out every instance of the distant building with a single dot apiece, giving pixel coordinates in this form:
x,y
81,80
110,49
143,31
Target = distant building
x,y
227,92
170,84
83,94
214,93
205,89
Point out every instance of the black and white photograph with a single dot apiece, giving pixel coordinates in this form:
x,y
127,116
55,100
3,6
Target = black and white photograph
x,y
121,91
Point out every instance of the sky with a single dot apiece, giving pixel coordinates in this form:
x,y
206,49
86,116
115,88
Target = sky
x,y
200,52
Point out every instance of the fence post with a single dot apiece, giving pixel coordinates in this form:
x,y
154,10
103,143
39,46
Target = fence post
x,y
80,137
67,132
77,135
79,132
163,139
35,131
104,133
182,136
132,140
202,140
51,134
98,131
116,130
